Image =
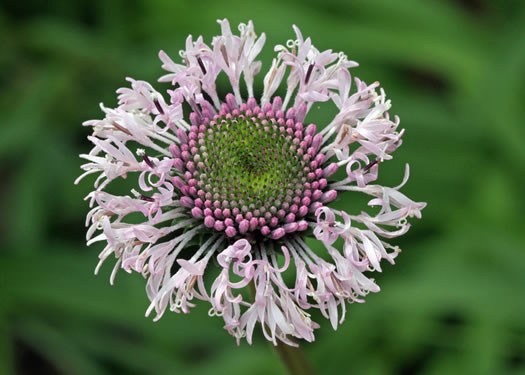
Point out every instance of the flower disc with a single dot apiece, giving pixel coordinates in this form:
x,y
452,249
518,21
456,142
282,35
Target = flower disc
x,y
251,170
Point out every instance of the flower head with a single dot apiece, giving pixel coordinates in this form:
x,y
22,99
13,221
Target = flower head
x,y
238,183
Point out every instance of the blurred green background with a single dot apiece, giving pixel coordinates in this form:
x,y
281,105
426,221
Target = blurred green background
x,y
453,304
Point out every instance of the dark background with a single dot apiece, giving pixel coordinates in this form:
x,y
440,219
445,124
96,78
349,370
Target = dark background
x,y
453,304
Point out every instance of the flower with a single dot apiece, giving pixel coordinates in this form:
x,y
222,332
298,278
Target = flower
x,y
240,183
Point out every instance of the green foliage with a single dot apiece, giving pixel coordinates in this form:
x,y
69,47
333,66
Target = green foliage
x,y
453,304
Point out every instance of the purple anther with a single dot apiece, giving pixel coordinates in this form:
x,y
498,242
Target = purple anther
x,y
201,65
147,160
370,165
146,198
158,106
308,73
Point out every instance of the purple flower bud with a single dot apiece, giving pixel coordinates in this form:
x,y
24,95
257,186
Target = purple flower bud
x,y
278,233
186,202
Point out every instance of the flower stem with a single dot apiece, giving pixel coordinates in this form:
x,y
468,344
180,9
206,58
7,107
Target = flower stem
x,y
294,359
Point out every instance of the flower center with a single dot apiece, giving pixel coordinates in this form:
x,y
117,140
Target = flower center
x,y
250,170
250,160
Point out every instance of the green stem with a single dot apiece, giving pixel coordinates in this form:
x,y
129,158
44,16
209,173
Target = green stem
x,y
292,357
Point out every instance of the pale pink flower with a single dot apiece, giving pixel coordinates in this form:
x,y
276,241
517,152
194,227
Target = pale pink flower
x,y
237,183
